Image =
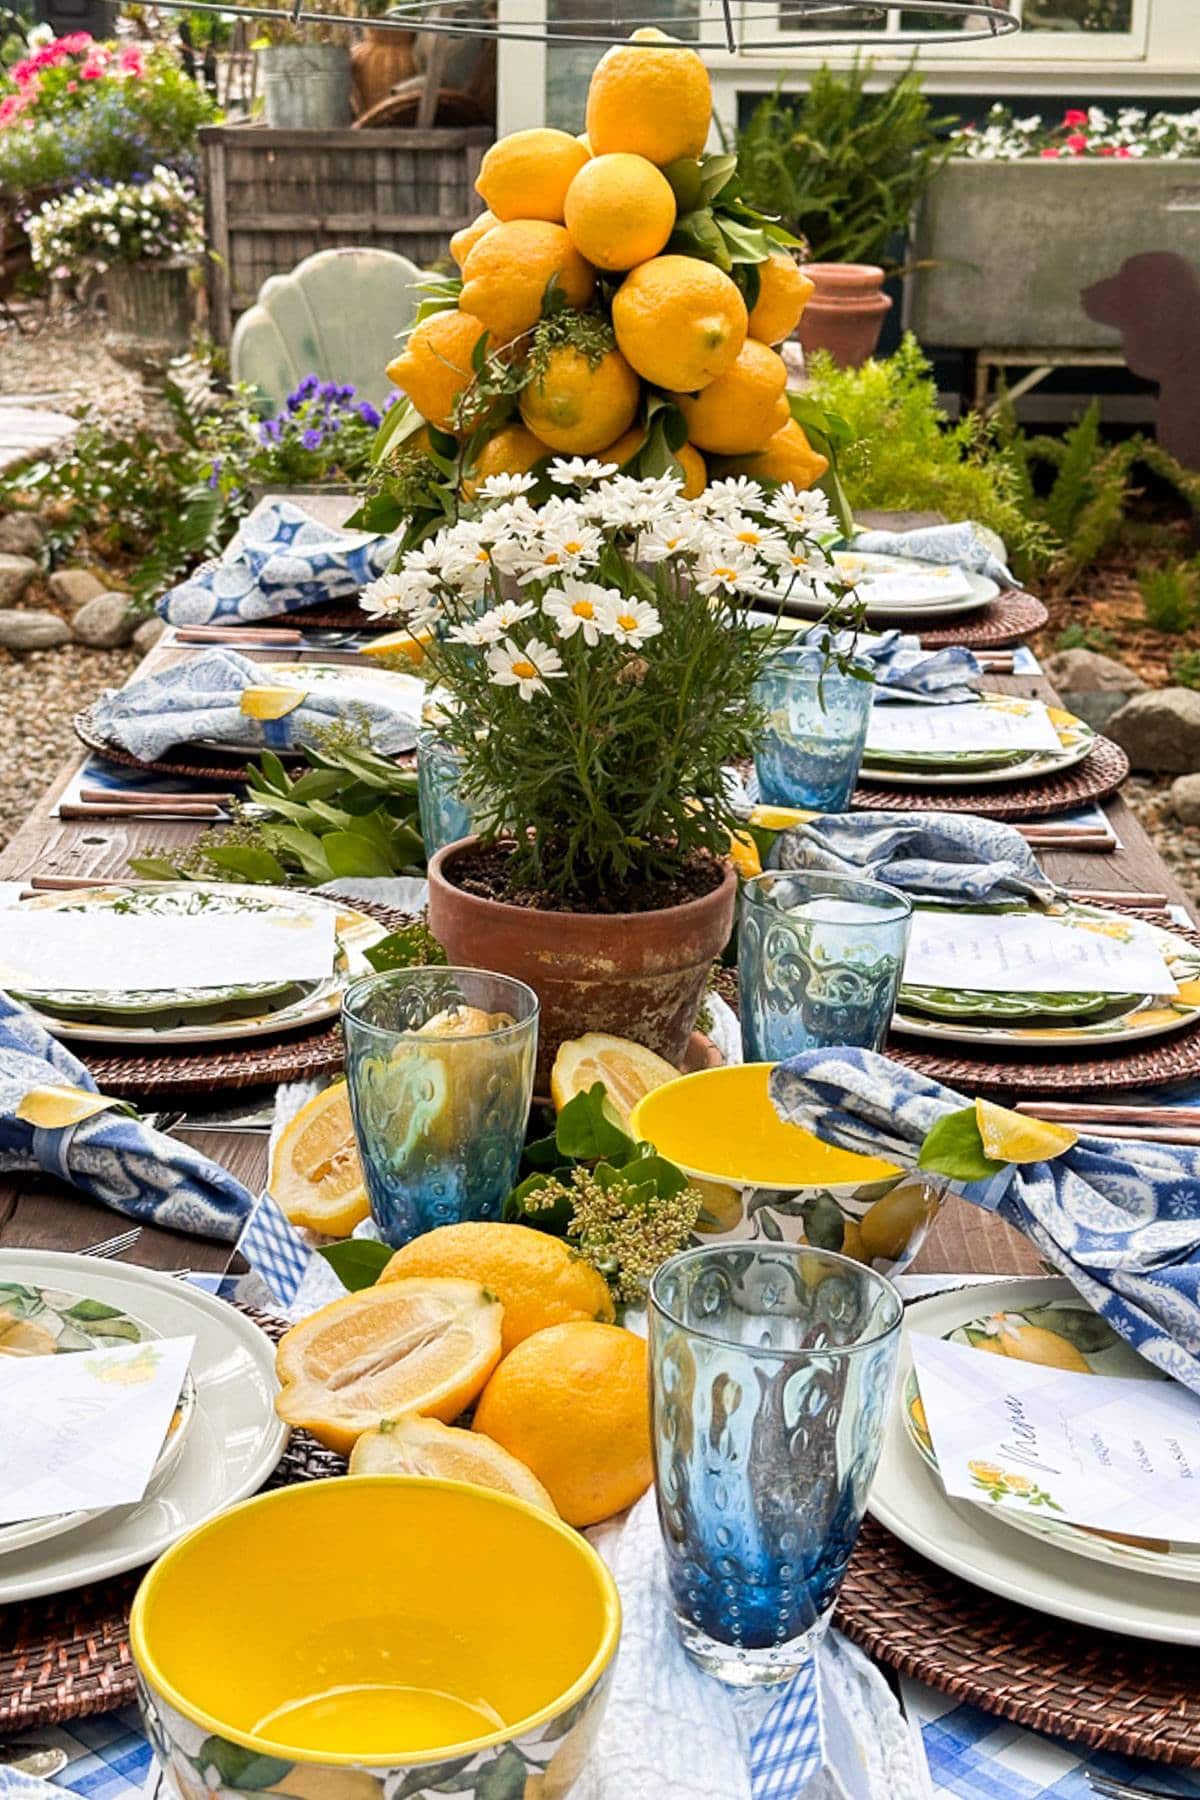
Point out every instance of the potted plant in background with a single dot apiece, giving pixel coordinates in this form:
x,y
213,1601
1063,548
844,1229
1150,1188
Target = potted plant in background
x,y
145,238
597,666
306,71
844,168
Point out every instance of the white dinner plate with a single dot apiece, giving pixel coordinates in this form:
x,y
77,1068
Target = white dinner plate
x,y
235,1440
910,1501
888,612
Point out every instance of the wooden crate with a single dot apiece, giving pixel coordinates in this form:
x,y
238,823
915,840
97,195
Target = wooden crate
x,y
272,198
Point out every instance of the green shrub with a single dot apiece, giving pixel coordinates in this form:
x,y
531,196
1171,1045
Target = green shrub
x,y
1185,668
1169,598
1085,637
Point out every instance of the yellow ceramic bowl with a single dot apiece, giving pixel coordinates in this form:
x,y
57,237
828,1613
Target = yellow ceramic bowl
x,y
331,1640
764,1179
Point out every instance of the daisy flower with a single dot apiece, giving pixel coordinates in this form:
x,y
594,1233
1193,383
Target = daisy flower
x,y
506,487
493,625
722,567
527,669
675,535
580,606
765,541
580,471
632,621
735,494
564,549
404,592
806,509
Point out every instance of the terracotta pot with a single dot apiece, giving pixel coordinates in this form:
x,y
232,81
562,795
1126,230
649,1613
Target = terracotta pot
x,y
378,62
846,313
640,975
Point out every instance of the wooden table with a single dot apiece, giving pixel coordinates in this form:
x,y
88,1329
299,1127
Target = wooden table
x,y
35,1211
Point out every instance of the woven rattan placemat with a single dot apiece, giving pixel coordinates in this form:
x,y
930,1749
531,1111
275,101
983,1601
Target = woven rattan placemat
x,y
228,768
68,1654
1091,1687
1100,773
1011,617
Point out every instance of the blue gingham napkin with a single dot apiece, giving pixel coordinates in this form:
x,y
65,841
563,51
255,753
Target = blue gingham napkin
x,y
1117,1218
111,1156
202,698
935,855
281,560
902,669
969,545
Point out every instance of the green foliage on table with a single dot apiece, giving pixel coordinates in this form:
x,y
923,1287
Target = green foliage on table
x,y
954,1147
902,453
357,1262
351,813
843,166
412,946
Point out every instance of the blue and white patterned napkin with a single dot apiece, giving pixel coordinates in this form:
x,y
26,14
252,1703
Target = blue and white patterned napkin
x,y
281,560
202,698
1118,1219
969,545
937,855
111,1156
902,670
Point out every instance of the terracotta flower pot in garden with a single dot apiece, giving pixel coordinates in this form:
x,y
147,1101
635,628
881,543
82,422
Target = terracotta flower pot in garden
x,y
640,975
845,315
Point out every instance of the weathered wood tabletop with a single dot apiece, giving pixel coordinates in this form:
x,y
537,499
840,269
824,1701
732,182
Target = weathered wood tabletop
x,y
36,1211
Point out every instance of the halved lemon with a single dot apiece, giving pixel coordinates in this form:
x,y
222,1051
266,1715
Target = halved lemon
x,y
1012,1137
419,1346
316,1175
412,1445
398,647
629,1071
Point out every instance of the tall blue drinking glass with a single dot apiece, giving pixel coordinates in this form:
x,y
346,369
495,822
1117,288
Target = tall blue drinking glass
x,y
820,959
439,1065
771,1374
445,815
812,743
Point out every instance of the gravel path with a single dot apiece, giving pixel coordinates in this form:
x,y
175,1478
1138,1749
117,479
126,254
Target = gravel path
x,y
39,693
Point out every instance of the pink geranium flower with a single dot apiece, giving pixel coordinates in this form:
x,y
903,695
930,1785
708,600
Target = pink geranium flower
x,y
1050,150
1123,150
24,71
131,61
1077,143
11,108
1073,116
76,42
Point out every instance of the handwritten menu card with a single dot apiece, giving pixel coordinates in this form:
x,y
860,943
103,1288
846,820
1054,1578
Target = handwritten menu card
x,y
1115,1454
49,951
85,1430
1030,953
965,725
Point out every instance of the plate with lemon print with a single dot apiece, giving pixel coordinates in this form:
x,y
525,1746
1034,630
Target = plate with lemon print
x,y
204,1014
52,1321
977,768
975,1016
1055,1328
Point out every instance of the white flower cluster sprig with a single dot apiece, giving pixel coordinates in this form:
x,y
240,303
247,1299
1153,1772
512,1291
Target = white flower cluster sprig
x,y
594,564
95,226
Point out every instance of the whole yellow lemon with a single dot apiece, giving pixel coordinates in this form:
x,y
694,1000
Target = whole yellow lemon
x,y
627,445
464,241
619,210
695,472
679,322
578,408
741,409
650,97
526,174
783,293
435,365
512,450
506,276
572,1404
787,456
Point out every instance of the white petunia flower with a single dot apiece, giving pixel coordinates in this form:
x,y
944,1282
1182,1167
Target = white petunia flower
x,y
632,621
580,471
527,669
580,606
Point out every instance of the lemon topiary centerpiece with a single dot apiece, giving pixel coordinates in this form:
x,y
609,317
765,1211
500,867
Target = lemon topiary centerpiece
x,y
617,299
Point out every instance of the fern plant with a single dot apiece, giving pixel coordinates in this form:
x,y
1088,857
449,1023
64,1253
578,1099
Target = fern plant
x,y
843,167
1169,597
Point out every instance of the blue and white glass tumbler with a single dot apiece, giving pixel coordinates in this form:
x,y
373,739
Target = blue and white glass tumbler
x,y
439,1067
813,738
772,1369
445,815
820,961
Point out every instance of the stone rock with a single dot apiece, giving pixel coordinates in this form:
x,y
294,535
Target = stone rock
x,y
16,573
1160,730
1088,672
148,634
106,622
32,630
1185,799
73,588
20,535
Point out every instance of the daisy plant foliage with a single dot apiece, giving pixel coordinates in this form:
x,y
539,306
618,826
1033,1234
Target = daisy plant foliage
x,y
595,661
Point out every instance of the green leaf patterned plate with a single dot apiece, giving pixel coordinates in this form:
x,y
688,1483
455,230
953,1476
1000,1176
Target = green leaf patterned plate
x,y
202,1015
952,769
971,1017
42,1321
1047,1322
